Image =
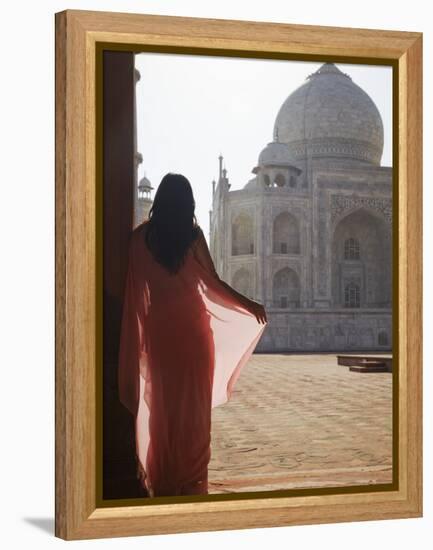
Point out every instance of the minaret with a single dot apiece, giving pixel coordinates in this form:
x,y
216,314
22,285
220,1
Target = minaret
x,y
221,167
138,158
143,200
223,180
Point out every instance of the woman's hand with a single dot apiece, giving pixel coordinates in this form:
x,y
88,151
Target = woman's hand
x,y
258,310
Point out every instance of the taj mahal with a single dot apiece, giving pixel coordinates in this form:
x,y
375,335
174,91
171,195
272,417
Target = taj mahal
x,y
310,234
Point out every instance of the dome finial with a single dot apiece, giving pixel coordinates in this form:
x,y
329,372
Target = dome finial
x,y
328,68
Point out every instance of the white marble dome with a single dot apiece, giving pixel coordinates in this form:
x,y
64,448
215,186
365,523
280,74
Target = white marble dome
x,y
274,153
145,183
331,115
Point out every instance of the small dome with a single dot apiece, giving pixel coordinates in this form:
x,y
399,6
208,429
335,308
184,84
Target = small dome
x,y
252,183
274,153
333,116
145,183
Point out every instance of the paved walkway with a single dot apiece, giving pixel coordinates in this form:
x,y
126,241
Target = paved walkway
x,y
298,421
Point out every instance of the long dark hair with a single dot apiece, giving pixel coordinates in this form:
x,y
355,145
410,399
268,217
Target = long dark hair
x,y
172,224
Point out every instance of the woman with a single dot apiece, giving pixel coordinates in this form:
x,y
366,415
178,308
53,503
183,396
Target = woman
x,y
185,337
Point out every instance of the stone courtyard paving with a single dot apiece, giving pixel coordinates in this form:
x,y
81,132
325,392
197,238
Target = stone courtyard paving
x,y
297,421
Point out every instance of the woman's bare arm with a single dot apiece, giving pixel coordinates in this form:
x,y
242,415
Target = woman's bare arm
x,y
203,256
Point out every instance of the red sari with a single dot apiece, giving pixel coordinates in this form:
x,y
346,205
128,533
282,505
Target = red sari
x,y
184,340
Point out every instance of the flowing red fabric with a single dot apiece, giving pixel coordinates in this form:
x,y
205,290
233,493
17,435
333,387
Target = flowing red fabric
x,y
183,343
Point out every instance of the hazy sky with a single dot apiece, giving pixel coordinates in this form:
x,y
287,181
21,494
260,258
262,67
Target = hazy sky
x,y
192,108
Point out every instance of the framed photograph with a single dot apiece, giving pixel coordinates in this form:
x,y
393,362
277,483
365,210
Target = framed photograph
x,y
238,274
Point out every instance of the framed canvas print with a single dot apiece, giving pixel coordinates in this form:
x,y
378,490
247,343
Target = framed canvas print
x,y
238,274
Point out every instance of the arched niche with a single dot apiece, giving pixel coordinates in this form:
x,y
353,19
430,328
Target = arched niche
x,y
285,234
286,290
361,255
242,282
242,235
279,180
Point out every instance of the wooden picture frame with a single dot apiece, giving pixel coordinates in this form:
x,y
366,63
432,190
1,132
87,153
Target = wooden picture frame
x,y
80,35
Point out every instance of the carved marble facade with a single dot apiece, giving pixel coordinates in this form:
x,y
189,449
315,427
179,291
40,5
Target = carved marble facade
x,y
310,235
